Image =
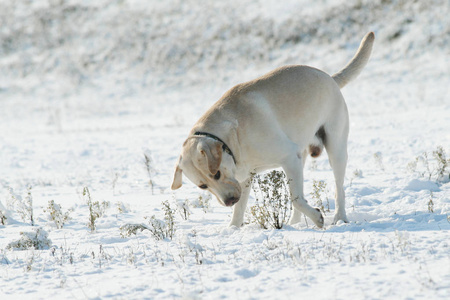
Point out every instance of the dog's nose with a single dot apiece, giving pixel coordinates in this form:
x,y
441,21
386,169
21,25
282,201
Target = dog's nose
x,y
231,201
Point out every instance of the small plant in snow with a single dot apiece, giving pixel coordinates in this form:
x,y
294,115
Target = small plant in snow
x,y
183,209
169,218
23,206
96,210
28,209
319,189
431,203
3,218
114,182
272,206
56,215
37,239
439,171
149,167
357,173
403,242
443,164
132,229
163,229
122,208
421,159
203,202
159,228
378,157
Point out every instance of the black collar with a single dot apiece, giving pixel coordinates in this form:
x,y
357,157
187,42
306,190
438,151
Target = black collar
x,y
224,146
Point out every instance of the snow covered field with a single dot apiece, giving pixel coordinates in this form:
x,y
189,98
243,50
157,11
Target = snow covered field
x,y
89,89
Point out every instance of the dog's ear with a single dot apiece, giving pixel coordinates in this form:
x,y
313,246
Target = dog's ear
x,y
212,150
177,177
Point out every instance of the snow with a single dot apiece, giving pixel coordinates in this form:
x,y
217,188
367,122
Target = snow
x,y
87,88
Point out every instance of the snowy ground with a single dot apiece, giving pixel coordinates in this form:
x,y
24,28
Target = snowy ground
x,y
87,89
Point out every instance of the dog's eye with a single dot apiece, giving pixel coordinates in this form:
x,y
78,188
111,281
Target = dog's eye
x,y
217,176
203,186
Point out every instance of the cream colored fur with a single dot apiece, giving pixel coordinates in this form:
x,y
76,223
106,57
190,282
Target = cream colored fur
x,y
273,121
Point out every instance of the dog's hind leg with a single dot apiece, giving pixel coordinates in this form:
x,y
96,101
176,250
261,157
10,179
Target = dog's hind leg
x,y
293,168
336,146
239,208
297,214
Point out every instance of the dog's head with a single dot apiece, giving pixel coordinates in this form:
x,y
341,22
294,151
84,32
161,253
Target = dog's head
x,y
205,163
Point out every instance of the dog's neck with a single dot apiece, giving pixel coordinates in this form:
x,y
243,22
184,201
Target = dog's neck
x,y
225,147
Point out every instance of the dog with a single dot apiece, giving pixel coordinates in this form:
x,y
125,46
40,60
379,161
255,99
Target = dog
x,y
273,121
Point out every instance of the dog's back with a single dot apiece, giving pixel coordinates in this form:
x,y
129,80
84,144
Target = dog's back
x,y
298,96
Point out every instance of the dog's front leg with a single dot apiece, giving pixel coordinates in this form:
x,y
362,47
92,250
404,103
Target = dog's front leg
x,y
294,173
295,216
239,208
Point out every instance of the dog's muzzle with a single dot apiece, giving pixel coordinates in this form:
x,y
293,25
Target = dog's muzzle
x,y
231,201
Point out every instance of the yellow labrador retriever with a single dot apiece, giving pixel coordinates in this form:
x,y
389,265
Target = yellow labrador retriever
x,y
273,121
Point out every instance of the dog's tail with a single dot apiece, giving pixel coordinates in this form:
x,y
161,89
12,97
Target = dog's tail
x,y
358,62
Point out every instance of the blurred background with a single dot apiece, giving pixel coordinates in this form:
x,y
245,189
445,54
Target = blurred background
x,y
119,48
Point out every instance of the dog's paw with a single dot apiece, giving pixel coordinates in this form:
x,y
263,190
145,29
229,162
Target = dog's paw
x,y
340,217
236,224
295,217
319,220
